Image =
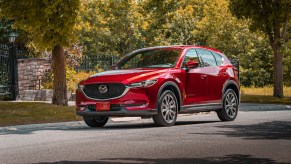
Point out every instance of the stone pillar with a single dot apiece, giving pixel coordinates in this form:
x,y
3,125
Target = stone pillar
x,y
31,72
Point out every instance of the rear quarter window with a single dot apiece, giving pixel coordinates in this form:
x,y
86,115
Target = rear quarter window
x,y
219,59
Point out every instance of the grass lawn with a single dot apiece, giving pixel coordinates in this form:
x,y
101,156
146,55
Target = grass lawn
x,y
264,95
264,99
266,91
20,113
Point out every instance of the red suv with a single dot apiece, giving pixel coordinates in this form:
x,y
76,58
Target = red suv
x,y
160,82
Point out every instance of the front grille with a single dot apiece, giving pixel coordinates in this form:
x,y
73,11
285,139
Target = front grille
x,y
114,90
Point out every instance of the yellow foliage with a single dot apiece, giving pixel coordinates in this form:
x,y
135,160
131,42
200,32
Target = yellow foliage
x,y
267,90
73,78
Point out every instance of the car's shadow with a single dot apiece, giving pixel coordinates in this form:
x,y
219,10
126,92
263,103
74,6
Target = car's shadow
x,y
83,127
227,159
273,130
152,125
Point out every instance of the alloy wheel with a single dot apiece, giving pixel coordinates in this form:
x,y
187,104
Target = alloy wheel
x,y
169,108
230,104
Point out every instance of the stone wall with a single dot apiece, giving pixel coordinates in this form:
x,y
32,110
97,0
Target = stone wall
x,y
36,95
31,72
41,95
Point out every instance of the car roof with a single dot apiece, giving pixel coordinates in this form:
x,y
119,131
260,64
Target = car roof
x,y
180,47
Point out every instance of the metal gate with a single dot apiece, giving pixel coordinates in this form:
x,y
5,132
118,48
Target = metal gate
x,y
97,63
235,63
8,71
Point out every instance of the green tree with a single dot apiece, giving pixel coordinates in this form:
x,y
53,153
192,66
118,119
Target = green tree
x,y
210,23
116,27
273,18
5,28
108,27
219,29
49,24
156,14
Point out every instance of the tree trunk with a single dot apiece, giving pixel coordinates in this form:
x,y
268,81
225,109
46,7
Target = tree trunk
x,y
59,72
278,72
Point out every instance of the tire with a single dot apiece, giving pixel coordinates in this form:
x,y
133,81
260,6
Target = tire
x,y
95,121
230,106
167,109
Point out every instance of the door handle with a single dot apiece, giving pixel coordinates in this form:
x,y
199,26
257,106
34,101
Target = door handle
x,y
203,76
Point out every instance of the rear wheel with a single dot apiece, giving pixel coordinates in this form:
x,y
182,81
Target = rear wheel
x,y
230,106
95,121
167,109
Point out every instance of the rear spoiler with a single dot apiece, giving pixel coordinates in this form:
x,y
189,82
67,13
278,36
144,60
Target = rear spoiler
x,y
235,63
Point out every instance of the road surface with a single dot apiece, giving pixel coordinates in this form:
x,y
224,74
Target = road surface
x,y
260,134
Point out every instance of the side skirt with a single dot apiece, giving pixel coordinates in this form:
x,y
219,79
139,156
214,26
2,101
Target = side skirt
x,y
200,108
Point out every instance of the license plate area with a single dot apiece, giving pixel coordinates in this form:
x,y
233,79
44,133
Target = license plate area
x,y
102,106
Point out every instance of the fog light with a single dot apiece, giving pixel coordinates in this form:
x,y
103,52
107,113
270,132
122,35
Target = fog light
x,y
82,108
143,105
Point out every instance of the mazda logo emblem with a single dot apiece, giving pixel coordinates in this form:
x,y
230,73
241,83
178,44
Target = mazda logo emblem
x,y
103,88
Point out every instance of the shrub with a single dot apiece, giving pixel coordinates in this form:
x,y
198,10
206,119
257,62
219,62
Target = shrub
x,y
73,78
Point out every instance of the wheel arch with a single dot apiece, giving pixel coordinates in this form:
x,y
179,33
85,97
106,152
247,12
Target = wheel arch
x,y
231,85
172,86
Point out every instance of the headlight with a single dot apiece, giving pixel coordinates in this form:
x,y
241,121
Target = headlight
x,y
144,84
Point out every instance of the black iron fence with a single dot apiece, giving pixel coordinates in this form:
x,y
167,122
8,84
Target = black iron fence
x,y
97,63
235,63
8,71
5,70
9,53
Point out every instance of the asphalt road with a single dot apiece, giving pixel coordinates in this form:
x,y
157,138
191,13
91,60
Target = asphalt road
x,y
260,134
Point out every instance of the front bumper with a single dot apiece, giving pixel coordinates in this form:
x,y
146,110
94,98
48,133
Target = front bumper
x,y
115,110
123,112
136,102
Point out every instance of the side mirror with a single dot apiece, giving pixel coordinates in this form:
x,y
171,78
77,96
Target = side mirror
x,y
192,64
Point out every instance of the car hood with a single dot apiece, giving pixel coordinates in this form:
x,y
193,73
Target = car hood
x,y
126,76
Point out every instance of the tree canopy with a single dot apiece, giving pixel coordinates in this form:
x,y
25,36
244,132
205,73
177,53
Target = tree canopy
x,y
105,29
50,25
272,18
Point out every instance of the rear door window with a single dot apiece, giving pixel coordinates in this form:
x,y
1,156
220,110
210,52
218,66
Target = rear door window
x,y
207,58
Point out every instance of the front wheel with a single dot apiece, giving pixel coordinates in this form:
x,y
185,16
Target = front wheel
x,y
230,106
167,109
95,121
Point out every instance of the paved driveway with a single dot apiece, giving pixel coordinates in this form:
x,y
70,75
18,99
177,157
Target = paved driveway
x,y
260,134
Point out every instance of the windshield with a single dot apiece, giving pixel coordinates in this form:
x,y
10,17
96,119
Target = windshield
x,y
154,58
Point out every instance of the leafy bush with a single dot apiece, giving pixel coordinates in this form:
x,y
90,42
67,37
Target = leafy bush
x,y
73,78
